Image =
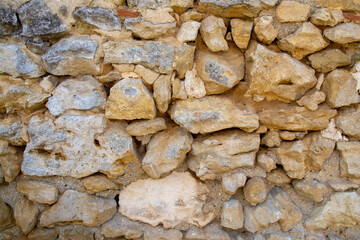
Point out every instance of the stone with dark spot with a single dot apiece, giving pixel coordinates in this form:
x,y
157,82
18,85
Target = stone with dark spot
x,y
8,21
98,17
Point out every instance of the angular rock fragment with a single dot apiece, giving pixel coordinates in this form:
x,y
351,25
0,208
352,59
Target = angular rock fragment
x,y
183,59
176,4
348,121
213,32
79,233
38,191
129,99
78,208
271,138
98,183
212,113
312,189
191,15
8,21
349,164
148,75
267,160
328,60
172,200
188,31
341,185
232,182
98,17
327,17
241,32
145,127
11,129
6,216
278,177
211,232
162,92
43,234
74,55
26,214
221,152
166,151
232,215
291,11
194,86
264,29
343,33
160,233
178,89
312,99
255,191
120,226
278,236
10,161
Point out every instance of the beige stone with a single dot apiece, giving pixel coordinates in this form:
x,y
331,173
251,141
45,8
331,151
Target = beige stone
x,y
342,185
38,191
221,152
327,17
349,5
220,71
264,29
166,151
241,32
340,211
148,75
43,234
160,233
232,215
79,233
230,183
98,183
287,135
120,226
121,68
267,160
188,31
194,86
349,164
178,89
175,199
79,208
10,161
277,76
6,216
291,11
312,189
278,236
278,177
340,89
348,121
271,138
183,59
312,99
328,60
306,40
213,31
145,127
343,33
255,191
112,76
129,99
26,214
191,16
162,92
211,232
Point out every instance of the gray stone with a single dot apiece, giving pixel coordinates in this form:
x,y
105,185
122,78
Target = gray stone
x,y
154,4
8,22
160,233
212,232
120,226
343,33
98,17
10,161
328,60
232,215
10,130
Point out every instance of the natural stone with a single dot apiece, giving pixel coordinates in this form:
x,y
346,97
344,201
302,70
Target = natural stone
x,y
349,164
221,152
120,226
340,89
178,89
348,121
276,75
152,54
241,32
6,216
291,11
148,75
278,177
77,146
300,156
267,160
343,33
26,214
264,29
340,211
166,151
220,71
328,60
232,182
11,131
342,185
212,113
312,189
98,183
10,161
255,191
123,68
312,99
183,59
38,191
78,233
188,31
211,232
327,17
43,234
79,208
162,92
129,99
232,215
37,20
278,236
191,16
213,31
271,139
175,199
145,127
98,17
159,233
74,55
194,86
8,21
183,4
110,77
307,39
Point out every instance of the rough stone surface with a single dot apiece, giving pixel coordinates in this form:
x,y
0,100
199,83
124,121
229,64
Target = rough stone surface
x,y
211,232
129,99
10,130
278,177
26,214
10,161
145,127
271,139
342,185
312,189
328,60
312,99
343,33
98,17
148,75
264,29
255,191
291,11
232,215
232,182
166,151
43,234
267,160
349,164
8,21
188,31
162,92
327,17
348,121
98,183
194,86
120,226
38,191
159,233
183,59
241,32
213,32
79,208
6,218
172,200
221,152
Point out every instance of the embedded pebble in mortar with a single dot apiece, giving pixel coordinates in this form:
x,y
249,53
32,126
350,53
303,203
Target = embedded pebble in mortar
x,y
255,191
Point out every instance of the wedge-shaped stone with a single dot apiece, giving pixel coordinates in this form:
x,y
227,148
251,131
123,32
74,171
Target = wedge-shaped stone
x,y
311,189
211,232
328,60
276,75
77,146
350,163
241,32
120,226
6,217
145,127
343,33
213,32
98,17
212,113
348,121
327,17
75,207
212,155
10,130
38,191
26,214
10,161
172,200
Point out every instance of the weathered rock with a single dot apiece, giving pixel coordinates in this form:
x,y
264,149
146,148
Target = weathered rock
x,y
267,160
343,33
348,121
181,5
289,136
38,191
124,68
74,55
37,20
346,5
276,75
194,86
112,76
291,11
327,17
159,233
43,234
328,60
307,39
6,216
255,191
148,75
188,31
166,151
278,177
191,15
77,146
80,95
120,226
79,208
232,215
210,114
264,29
232,182
154,55
340,89
172,200
10,131
220,71
211,232
145,127
241,32
162,92
178,89
278,236
49,83
26,214
271,139
221,152
17,61
129,99
79,233
312,99
98,17
301,156
183,59
98,183
213,33
312,189
10,161
342,210
334,237
8,21
341,185
349,164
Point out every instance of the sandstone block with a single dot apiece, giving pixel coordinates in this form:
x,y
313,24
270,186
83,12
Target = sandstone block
x,y
348,121
43,234
160,233
191,16
312,189
194,86
328,60
264,29
188,31
183,59
162,92
38,191
6,216
327,17
343,33
10,161
255,191
145,127
349,164
267,160
241,32
312,99
291,11
232,182
341,185
278,177
148,75
98,183
26,215
98,17
232,215
213,32
120,226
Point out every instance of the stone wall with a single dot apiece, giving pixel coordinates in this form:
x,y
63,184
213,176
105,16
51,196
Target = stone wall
x,y
179,119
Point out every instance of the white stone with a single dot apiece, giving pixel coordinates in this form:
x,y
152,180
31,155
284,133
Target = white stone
x,y
188,31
